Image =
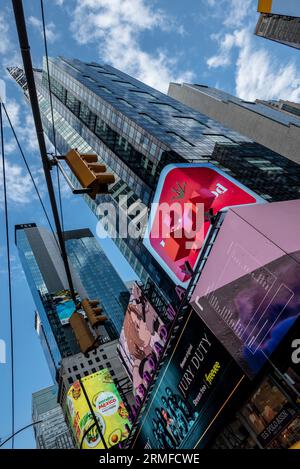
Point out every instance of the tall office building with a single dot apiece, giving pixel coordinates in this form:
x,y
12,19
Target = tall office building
x,y
279,21
98,276
50,429
45,274
136,131
44,270
273,124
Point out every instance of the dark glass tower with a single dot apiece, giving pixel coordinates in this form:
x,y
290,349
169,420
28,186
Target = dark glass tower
x,y
136,131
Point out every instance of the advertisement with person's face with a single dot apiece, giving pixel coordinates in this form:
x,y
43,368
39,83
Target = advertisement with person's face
x,y
193,387
141,341
248,293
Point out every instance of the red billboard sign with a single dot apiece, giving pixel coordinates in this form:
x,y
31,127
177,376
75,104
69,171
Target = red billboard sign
x,y
187,198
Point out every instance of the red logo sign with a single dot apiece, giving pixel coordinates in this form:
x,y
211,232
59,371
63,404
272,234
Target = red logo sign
x,y
186,201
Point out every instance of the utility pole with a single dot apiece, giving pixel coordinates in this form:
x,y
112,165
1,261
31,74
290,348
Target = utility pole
x,y
28,69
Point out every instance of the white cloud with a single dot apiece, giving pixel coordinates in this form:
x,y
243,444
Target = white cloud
x,y
116,26
59,2
51,33
260,76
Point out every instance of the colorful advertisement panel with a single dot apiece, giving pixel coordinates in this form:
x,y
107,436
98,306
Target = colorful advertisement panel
x,y
194,386
186,199
142,339
248,293
64,305
107,406
279,7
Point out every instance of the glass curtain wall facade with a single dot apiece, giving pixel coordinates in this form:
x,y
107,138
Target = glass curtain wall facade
x,y
100,279
52,432
57,340
136,131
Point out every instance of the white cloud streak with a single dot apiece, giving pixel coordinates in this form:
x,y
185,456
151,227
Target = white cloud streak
x,y
116,26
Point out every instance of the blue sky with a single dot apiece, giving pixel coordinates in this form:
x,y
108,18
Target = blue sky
x,y
202,41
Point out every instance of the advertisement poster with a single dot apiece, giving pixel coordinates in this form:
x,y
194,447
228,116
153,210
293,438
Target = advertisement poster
x,y
64,305
141,341
248,293
194,386
186,199
108,407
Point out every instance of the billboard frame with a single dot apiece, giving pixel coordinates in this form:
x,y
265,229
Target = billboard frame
x,y
160,185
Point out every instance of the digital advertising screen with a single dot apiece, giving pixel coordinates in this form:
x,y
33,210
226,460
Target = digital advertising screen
x,y
64,305
248,293
108,408
186,199
193,387
142,339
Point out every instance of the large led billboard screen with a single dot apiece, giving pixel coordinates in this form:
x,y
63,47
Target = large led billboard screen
x,y
108,409
248,293
186,199
141,341
193,387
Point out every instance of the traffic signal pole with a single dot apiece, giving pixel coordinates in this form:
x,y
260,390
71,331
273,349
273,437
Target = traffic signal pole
x,y
28,69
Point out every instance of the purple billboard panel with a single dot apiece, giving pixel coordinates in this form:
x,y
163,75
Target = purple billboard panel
x,y
141,342
249,291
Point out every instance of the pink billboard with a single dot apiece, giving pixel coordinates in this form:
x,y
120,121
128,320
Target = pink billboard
x,y
187,198
248,293
142,339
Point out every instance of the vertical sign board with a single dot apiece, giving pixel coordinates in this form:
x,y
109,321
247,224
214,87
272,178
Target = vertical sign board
x,y
193,387
186,199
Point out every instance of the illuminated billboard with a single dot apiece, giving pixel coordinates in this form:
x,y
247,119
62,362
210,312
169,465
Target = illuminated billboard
x,y
141,341
64,305
279,7
187,198
107,407
248,293
193,387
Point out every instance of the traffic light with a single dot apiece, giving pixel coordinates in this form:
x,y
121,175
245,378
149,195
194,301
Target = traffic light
x,y
87,342
90,173
93,312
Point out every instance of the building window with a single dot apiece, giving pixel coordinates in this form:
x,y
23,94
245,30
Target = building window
x,y
75,368
78,376
90,362
97,359
94,370
70,380
105,356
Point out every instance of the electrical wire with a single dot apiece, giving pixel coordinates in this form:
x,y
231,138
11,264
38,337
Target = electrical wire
x,y
29,171
9,279
52,112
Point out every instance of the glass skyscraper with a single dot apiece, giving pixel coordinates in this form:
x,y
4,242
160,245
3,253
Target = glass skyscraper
x,y
136,131
98,276
51,432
